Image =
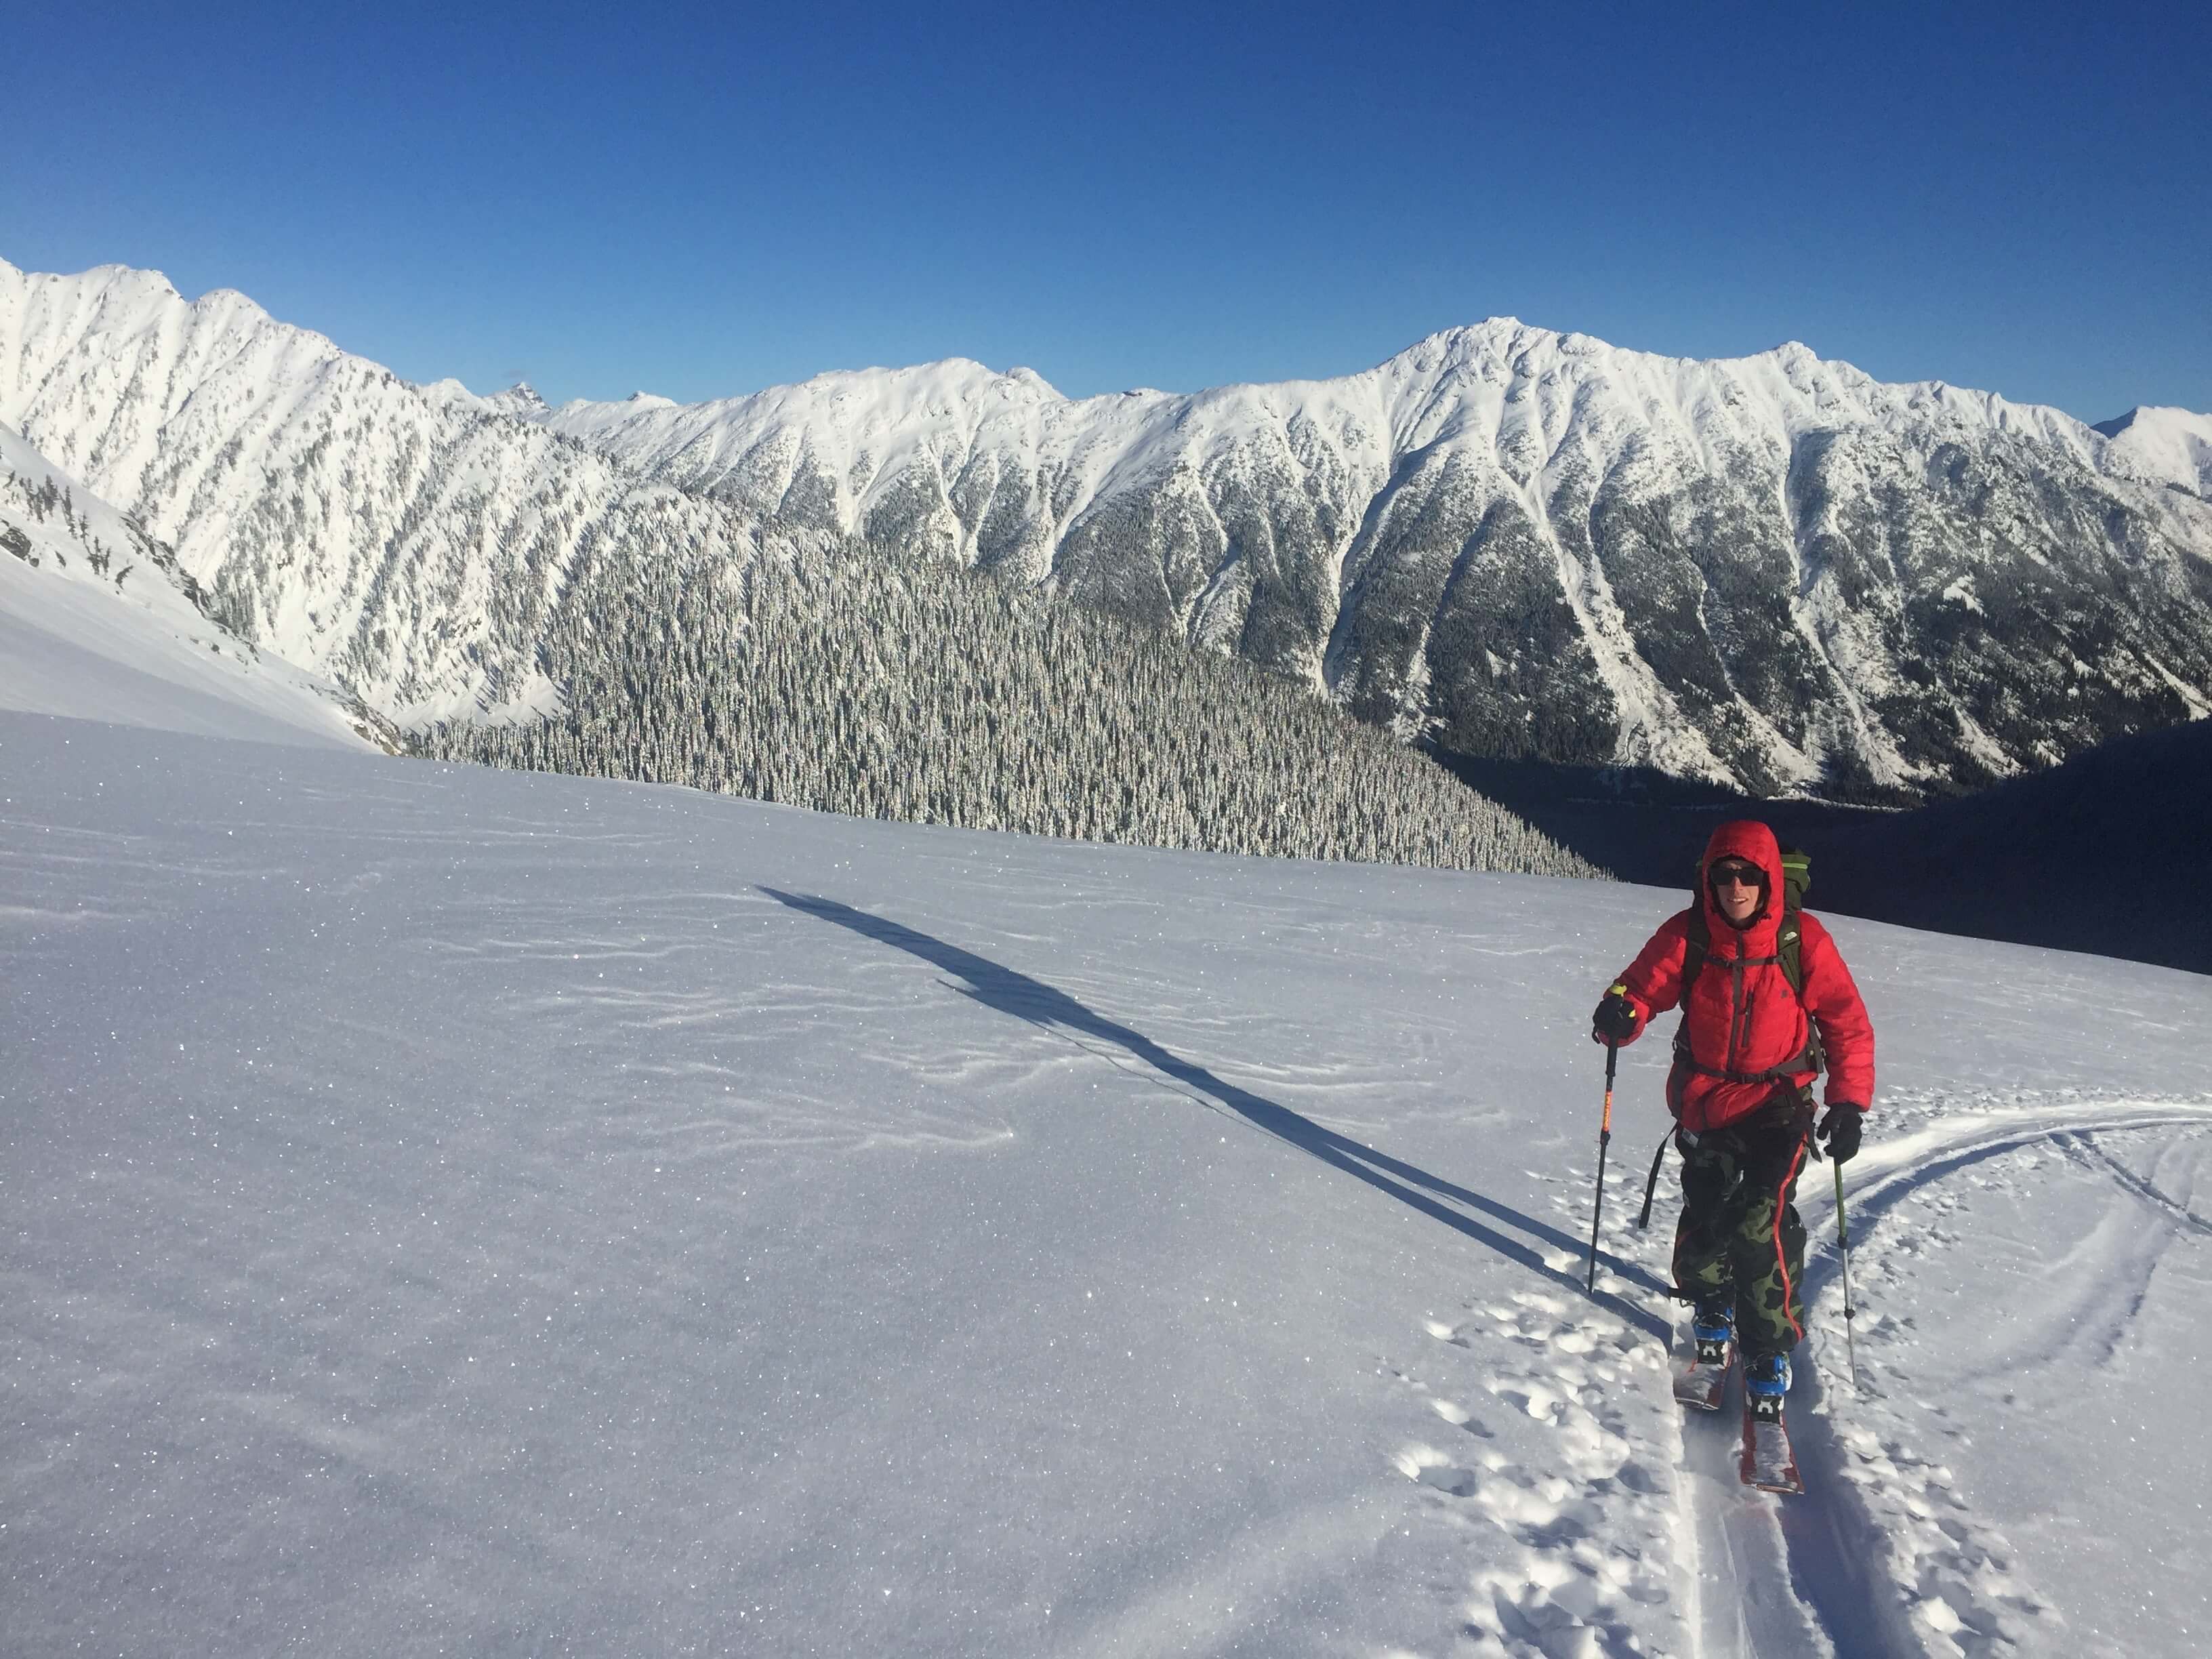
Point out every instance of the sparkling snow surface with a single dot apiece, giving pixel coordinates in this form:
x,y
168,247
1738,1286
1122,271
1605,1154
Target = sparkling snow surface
x,y
455,1211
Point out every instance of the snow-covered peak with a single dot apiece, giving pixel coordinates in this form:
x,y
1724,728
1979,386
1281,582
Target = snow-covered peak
x,y
1322,505
520,400
98,339
120,282
1499,384
451,393
858,427
2170,446
362,526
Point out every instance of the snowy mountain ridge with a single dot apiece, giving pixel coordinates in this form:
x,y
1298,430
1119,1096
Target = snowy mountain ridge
x,y
389,537
1410,392
1500,380
1408,536
1772,570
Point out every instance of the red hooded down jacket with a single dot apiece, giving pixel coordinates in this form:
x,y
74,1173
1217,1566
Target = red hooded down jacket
x,y
1742,1017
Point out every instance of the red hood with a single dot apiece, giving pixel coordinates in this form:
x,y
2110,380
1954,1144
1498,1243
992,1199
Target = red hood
x,y
1753,841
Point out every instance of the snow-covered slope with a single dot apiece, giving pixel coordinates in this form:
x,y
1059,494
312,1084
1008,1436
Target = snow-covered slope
x,y
98,619
1773,570
451,1210
405,543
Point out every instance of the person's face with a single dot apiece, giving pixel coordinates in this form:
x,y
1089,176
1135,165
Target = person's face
x,y
1736,888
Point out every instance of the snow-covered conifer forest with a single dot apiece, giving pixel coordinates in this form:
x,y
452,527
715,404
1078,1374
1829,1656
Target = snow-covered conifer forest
x,y
876,685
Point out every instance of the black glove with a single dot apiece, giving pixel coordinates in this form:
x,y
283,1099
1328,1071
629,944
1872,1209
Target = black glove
x,y
1617,1021
1840,1130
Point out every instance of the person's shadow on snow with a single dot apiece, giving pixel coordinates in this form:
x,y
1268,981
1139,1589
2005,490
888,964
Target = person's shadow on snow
x,y
1017,994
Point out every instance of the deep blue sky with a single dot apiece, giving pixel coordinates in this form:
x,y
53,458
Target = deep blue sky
x,y
704,201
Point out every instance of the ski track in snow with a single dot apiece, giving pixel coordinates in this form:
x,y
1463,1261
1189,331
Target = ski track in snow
x,y
1629,1539
1962,1589
1883,1554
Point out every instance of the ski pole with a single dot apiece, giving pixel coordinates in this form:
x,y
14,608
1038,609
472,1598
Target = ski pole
x,y
1604,1140
1843,1244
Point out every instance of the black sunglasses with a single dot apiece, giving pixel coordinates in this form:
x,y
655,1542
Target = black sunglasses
x,y
1747,875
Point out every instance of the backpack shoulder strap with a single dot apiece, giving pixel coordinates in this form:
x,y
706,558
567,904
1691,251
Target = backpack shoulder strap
x,y
1697,946
1796,877
1790,946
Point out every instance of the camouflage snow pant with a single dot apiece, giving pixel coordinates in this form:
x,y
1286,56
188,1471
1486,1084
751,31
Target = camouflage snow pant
x,y
1739,1229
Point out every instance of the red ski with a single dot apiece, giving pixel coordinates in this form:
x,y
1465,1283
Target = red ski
x,y
1768,1461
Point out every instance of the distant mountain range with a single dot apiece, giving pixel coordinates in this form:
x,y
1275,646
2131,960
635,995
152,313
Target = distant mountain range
x,y
1772,572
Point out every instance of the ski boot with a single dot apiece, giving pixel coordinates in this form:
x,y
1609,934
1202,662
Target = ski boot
x,y
1712,1325
1766,1380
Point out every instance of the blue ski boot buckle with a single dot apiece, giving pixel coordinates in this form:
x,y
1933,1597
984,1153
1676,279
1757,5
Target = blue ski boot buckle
x,y
1712,1328
1766,1381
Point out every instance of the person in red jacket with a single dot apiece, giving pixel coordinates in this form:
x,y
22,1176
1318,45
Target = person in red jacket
x,y
1746,1055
